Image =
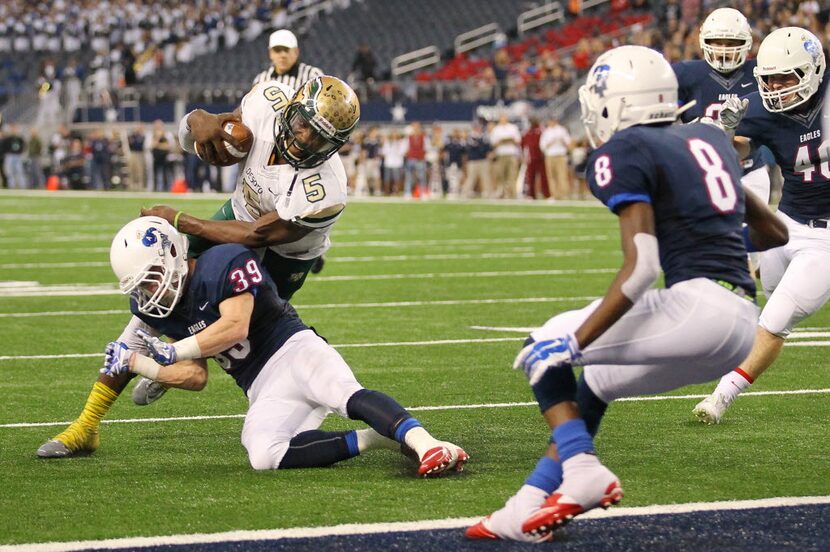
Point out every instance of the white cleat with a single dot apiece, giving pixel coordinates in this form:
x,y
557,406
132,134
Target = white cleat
x,y
506,523
147,391
710,410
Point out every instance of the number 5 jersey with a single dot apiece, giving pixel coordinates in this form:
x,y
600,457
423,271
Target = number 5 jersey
x,y
313,198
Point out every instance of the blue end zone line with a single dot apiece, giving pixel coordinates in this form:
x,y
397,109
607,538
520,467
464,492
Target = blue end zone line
x,y
429,408
375,528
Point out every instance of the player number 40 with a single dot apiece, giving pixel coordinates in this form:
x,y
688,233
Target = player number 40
x,y
806,166
243,279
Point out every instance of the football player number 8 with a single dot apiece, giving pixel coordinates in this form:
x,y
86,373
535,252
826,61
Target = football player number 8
x,y
719,183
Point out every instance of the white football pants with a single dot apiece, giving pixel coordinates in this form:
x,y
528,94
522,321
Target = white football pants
x,y
795,276
693,332
304,380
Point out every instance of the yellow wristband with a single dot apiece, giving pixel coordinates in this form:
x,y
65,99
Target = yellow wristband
x,y
176,220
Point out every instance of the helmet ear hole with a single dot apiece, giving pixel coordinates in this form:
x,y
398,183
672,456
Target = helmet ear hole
x,y
604,113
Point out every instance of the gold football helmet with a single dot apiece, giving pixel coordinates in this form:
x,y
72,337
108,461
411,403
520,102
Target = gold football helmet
x,y
317,122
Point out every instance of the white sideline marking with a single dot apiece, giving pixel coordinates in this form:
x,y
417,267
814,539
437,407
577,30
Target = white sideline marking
x,y
402,526
391,304
385,258
426,408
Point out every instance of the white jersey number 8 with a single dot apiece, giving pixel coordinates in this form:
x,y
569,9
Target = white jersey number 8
x,y
719,183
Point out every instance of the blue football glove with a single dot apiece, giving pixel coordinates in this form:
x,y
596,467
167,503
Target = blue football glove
x,y
116,359
540,356
162,352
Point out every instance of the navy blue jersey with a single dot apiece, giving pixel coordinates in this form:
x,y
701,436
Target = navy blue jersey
x,y
690,176
697,81
222,272
794,137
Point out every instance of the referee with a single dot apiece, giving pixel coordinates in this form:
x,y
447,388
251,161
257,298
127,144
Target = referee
x,y
286,67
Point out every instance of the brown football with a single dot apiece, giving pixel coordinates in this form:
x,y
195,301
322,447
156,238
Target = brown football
x,y
228,154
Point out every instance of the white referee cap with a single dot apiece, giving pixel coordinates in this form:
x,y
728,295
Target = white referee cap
x,y
282,37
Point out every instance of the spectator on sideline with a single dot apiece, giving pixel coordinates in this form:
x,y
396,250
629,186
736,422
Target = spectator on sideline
x,y
14,147
370,159
161,146
35,155
506,139
393,152
478,163
415,168
555,142
136,161
536,181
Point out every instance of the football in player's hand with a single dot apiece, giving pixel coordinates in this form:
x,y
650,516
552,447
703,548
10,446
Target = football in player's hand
x,y
227,154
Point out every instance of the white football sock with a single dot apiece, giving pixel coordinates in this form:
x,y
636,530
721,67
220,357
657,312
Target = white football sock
x,y
369,439
585,480
419,440
731,385
507,522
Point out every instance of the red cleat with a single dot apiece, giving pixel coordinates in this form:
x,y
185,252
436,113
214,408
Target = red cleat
x,y
443,458
480,531
559,509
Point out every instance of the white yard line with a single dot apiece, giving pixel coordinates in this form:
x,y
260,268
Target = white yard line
x,y
334,259
37,290
402,526
388,304
428,408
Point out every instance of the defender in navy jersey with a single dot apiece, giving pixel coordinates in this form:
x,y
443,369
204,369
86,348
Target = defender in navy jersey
x,y
785,115
225,306
725,40
675,190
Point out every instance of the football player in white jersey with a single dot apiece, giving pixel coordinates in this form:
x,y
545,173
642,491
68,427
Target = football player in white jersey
x,y
291,186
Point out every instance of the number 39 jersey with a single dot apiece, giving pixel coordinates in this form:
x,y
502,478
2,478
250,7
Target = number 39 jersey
x,y
795,139
222,272
313,198
690,176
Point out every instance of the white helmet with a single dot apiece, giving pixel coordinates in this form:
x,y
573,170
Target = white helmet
x,y
789,51
725,24
149,258
627,86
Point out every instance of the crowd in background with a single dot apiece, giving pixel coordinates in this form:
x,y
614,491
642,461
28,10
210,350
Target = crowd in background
x,y
494,159
487,160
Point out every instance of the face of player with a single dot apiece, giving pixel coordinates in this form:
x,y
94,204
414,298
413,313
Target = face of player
x,y
782,81
149,287
306,139
283,58
721,48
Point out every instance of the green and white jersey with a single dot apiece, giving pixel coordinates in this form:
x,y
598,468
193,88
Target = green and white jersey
x,y
314,198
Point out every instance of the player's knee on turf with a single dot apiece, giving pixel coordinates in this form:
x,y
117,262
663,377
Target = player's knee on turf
x,y
266,453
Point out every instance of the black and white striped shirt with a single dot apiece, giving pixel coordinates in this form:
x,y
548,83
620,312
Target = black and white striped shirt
x,y
294,77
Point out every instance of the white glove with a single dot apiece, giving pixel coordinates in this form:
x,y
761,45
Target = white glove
x,y
116,359
540,356
162,352
731,112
